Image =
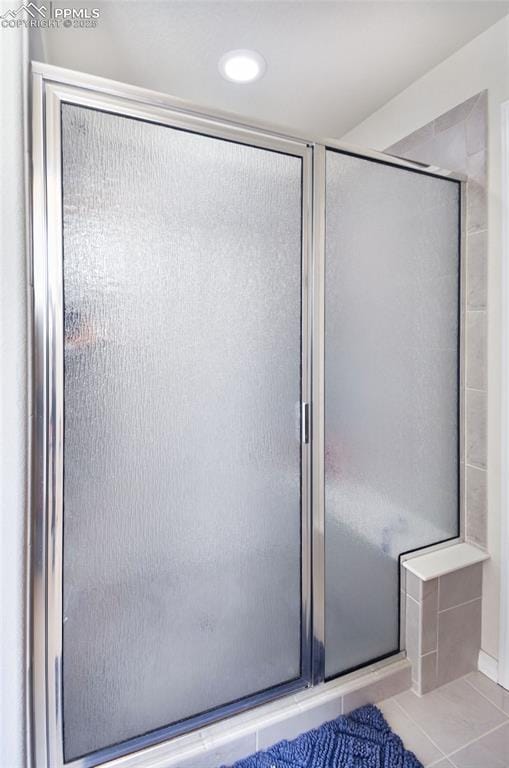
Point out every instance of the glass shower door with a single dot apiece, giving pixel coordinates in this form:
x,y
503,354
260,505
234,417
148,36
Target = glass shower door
x,y
391,392
182,454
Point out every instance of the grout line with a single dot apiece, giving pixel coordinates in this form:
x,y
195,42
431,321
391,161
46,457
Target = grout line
x,y
485,697
467,602
477,152
437,762
444,754
474,466
478,231
469,743
417,725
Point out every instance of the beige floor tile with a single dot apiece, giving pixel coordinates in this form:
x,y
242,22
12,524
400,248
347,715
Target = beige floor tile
x,y
411,735
442,764
452,715
491,690
490,751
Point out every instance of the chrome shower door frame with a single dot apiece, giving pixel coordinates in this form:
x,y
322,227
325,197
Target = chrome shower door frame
x,y
50,90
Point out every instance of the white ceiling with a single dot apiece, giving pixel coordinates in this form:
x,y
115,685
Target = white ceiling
x,y
329,64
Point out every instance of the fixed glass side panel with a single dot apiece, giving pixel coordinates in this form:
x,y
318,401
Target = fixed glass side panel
x,y
391,392
182,511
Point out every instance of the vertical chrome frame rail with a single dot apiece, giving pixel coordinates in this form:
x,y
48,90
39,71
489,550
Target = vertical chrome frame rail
x,y
50,87
47,457
462,341
317,353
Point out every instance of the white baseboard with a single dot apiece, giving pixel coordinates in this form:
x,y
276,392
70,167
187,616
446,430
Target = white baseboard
x,y
488,666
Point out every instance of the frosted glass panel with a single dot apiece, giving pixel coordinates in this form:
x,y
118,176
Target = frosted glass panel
x,y
391,392
182,269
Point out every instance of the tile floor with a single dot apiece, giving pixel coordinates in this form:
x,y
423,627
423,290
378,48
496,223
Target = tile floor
x,y
464,724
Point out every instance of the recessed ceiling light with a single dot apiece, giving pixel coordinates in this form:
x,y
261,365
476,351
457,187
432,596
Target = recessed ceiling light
x,y
242,66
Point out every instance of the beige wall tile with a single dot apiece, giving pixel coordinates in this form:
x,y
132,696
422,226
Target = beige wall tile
x,y
427,672
476,427
476,167
455,115
476,518
224,752
460,586
476,349
413,633
402,619
476,206
402,578
428,588
413,586
384,688
291,727
288,728
419,590
459,640
429,609
477,251
447,150
214,753
407,146
476,126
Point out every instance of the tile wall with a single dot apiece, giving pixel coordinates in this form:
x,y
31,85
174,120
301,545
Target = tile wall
x,y
443,626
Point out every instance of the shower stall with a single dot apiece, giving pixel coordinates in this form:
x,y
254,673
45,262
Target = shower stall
x,y
246,409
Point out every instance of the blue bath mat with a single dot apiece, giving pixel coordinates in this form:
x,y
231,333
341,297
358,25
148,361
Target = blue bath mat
x,y
361,739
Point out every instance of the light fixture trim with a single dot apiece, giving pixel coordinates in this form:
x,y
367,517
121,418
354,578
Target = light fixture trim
x,y
242,66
